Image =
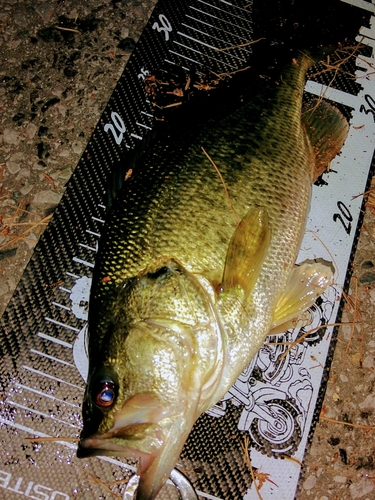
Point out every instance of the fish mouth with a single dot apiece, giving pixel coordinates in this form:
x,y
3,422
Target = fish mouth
x,y
136,432
148,450
156,446
99,446
146,443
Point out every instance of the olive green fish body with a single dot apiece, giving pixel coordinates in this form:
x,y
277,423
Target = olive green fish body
x,y
195,269
181,210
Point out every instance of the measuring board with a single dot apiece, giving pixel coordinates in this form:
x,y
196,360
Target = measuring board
x,y
43,330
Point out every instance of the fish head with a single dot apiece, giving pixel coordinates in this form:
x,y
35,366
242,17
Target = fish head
x,y
141,407
145,389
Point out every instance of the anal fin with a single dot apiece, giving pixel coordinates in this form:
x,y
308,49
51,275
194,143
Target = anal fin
x,y
306,283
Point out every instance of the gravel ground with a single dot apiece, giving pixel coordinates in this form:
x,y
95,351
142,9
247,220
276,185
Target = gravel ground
x,y
59,64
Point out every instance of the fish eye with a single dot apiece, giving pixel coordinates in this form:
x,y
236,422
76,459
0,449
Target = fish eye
x,y
106,395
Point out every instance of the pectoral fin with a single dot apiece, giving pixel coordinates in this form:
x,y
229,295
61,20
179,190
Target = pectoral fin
x,y
246,251
306,283
327,130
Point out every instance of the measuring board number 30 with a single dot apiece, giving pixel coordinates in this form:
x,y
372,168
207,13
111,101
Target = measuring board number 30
x,y
163,26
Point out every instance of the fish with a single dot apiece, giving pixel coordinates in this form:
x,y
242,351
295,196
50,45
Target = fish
x,y
197,265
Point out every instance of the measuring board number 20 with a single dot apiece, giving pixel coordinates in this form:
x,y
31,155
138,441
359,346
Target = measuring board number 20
x,y
371,106
117,128
345,217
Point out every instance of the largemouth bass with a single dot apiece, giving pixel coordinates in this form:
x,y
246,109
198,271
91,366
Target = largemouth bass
x,y
197,267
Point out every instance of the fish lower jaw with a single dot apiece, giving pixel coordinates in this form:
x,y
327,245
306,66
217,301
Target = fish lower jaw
x,y
94,446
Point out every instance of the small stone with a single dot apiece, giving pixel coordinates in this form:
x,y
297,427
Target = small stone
x,y
12,283
61,109
26,189
309,482
11,201
347,331
57,92
368,403
37,166
343,377
372,294
72,14
361,488
17,157
340,479
319,471
138,11
24,173
12,136
77,147
13,167
367,278
45,10
31,240
31,131
367,264
65,174
64,153
330,412
368,362
13,44
50,197
124,32
20,18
